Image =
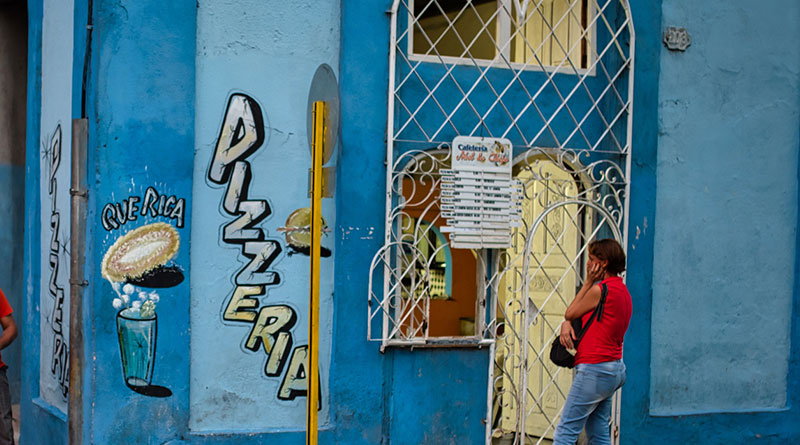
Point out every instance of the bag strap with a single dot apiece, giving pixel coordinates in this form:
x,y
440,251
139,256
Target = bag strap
x,y
602,304
597,313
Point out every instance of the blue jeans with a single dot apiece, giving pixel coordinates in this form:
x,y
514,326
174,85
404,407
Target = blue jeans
x,y
589,403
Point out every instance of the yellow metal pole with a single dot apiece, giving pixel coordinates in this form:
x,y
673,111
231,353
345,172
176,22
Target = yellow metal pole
x,y
312,375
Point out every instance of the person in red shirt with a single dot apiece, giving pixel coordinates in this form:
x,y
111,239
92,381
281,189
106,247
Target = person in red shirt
x,y
600,370
8,336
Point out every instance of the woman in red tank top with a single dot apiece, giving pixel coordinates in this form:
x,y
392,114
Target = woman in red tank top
x,y
600,370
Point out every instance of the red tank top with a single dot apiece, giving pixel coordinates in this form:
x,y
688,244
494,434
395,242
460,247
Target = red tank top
x,y
603,341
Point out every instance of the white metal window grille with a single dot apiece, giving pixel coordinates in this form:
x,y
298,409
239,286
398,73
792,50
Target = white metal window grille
x,y
570,123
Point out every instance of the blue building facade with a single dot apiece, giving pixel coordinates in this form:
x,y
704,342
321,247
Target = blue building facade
x,y
13,78
197,165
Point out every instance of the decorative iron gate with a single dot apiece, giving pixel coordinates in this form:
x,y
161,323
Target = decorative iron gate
x,y
556,78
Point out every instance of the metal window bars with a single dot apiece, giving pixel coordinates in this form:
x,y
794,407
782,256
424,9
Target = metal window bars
x,y
484,69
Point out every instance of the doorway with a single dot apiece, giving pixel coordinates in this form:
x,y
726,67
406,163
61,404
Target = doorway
x,y
13,100
556,74
536,279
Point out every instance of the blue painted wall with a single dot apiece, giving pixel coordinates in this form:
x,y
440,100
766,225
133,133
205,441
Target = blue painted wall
x,y
147,127
358,367
140,102
55,151
647,24
717,331
402,396
728,169
43,423
266,57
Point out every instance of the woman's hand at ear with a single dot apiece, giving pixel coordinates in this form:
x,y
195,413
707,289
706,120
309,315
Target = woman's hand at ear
x,y
595,273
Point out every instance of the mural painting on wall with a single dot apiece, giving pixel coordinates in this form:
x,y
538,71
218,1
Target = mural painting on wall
x,y
57,252
54,111
138,264
297,232
271,326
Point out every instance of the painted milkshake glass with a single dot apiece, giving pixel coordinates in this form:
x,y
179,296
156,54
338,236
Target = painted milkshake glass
x,y
137,346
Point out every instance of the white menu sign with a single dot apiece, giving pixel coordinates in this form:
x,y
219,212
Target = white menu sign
x,y
480,200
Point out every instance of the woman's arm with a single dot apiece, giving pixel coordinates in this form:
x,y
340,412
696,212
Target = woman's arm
x,y
587,299
589,296
9,331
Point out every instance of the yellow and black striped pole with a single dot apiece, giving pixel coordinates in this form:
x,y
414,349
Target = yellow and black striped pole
x,y
312,374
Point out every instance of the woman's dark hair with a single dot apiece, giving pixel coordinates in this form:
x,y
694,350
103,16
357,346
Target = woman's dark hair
x,y
609,250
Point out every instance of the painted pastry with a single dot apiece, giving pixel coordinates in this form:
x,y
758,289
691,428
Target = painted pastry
x,y
298,232
140,251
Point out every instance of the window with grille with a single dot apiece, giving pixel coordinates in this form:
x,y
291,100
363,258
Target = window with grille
x,y
432,289
463,68
531,33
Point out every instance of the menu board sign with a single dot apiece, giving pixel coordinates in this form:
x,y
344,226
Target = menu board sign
x,y
479,199
481,154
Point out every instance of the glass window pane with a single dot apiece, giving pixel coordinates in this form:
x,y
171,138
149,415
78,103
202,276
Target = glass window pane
x,y
548,33
455,28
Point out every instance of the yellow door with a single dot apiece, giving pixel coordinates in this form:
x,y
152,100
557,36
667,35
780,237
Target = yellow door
x,y
532,390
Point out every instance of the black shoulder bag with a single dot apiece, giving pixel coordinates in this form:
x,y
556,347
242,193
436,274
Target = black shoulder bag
x,y
558,352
